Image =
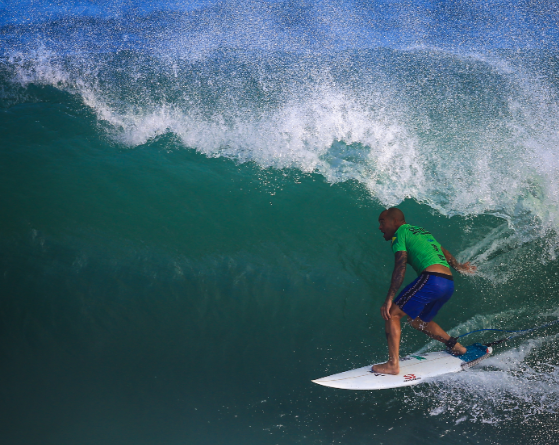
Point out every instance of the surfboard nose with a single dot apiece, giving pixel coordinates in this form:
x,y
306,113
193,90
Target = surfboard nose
x,y
320,382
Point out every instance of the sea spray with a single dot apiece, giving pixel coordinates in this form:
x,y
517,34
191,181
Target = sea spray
x,y
191,193
465,134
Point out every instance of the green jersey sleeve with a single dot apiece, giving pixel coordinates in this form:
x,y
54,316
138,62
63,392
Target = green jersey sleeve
x,y
399,242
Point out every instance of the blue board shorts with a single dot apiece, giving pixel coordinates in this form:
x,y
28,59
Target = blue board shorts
x,y
424,296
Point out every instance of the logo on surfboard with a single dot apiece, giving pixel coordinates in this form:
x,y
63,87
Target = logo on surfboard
x,y
411,378
417,357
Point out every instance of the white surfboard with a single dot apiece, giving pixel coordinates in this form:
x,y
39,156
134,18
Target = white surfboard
x,y
414,369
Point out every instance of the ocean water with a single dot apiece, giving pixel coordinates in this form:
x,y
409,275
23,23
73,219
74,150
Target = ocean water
x,y
190,193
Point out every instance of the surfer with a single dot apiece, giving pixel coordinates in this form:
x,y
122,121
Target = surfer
x,y
423,297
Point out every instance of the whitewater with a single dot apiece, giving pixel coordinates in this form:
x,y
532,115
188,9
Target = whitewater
x,y
191,193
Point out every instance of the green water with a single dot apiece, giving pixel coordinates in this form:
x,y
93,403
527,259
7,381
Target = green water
x,y
154,294
189,225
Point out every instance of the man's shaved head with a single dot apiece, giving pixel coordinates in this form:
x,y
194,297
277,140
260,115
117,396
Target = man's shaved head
x,y
390,220
395,214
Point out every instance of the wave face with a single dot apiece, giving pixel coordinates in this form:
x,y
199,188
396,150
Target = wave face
x,y
191,193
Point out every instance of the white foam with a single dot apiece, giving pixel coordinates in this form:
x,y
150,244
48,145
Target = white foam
x,y
507,168
514,383
504,387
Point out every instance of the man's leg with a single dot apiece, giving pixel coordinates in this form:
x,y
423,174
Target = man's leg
x,y
393,331
433,330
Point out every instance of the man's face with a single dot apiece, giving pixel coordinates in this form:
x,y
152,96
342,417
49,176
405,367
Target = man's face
x,y
387,226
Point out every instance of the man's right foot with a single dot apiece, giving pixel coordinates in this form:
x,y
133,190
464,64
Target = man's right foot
x,y
453,347
458,349
386,368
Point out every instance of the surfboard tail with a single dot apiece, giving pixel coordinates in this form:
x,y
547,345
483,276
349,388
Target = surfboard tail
x,y
476,353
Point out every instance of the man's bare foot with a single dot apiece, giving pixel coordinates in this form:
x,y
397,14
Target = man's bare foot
x,y
386,368
458,349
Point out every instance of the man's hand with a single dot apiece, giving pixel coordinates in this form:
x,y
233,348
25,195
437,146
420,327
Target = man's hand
x,y
400,261
466,268
385,310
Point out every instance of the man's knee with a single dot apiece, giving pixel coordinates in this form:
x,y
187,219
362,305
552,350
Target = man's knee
x,y
417,323
395,311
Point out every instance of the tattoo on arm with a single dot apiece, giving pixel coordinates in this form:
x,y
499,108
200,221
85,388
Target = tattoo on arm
x,y
449,258
401,259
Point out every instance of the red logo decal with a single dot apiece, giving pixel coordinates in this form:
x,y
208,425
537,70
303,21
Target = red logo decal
x,y
410,377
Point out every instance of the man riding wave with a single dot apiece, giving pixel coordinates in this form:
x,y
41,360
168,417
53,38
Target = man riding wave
x,y
421,299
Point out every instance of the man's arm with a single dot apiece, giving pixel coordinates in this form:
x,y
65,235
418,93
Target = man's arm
x,y
401,259
462,268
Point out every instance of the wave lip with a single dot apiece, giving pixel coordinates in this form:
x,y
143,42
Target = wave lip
x,y
465,133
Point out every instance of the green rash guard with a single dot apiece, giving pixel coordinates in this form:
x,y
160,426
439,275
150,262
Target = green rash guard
x,y
422,248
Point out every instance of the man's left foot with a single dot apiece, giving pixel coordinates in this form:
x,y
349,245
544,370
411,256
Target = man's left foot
x,y
386,368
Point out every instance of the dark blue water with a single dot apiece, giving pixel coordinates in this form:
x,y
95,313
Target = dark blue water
x,y
190,193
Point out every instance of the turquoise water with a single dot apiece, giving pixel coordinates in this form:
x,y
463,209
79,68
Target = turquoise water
x,y
190,194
